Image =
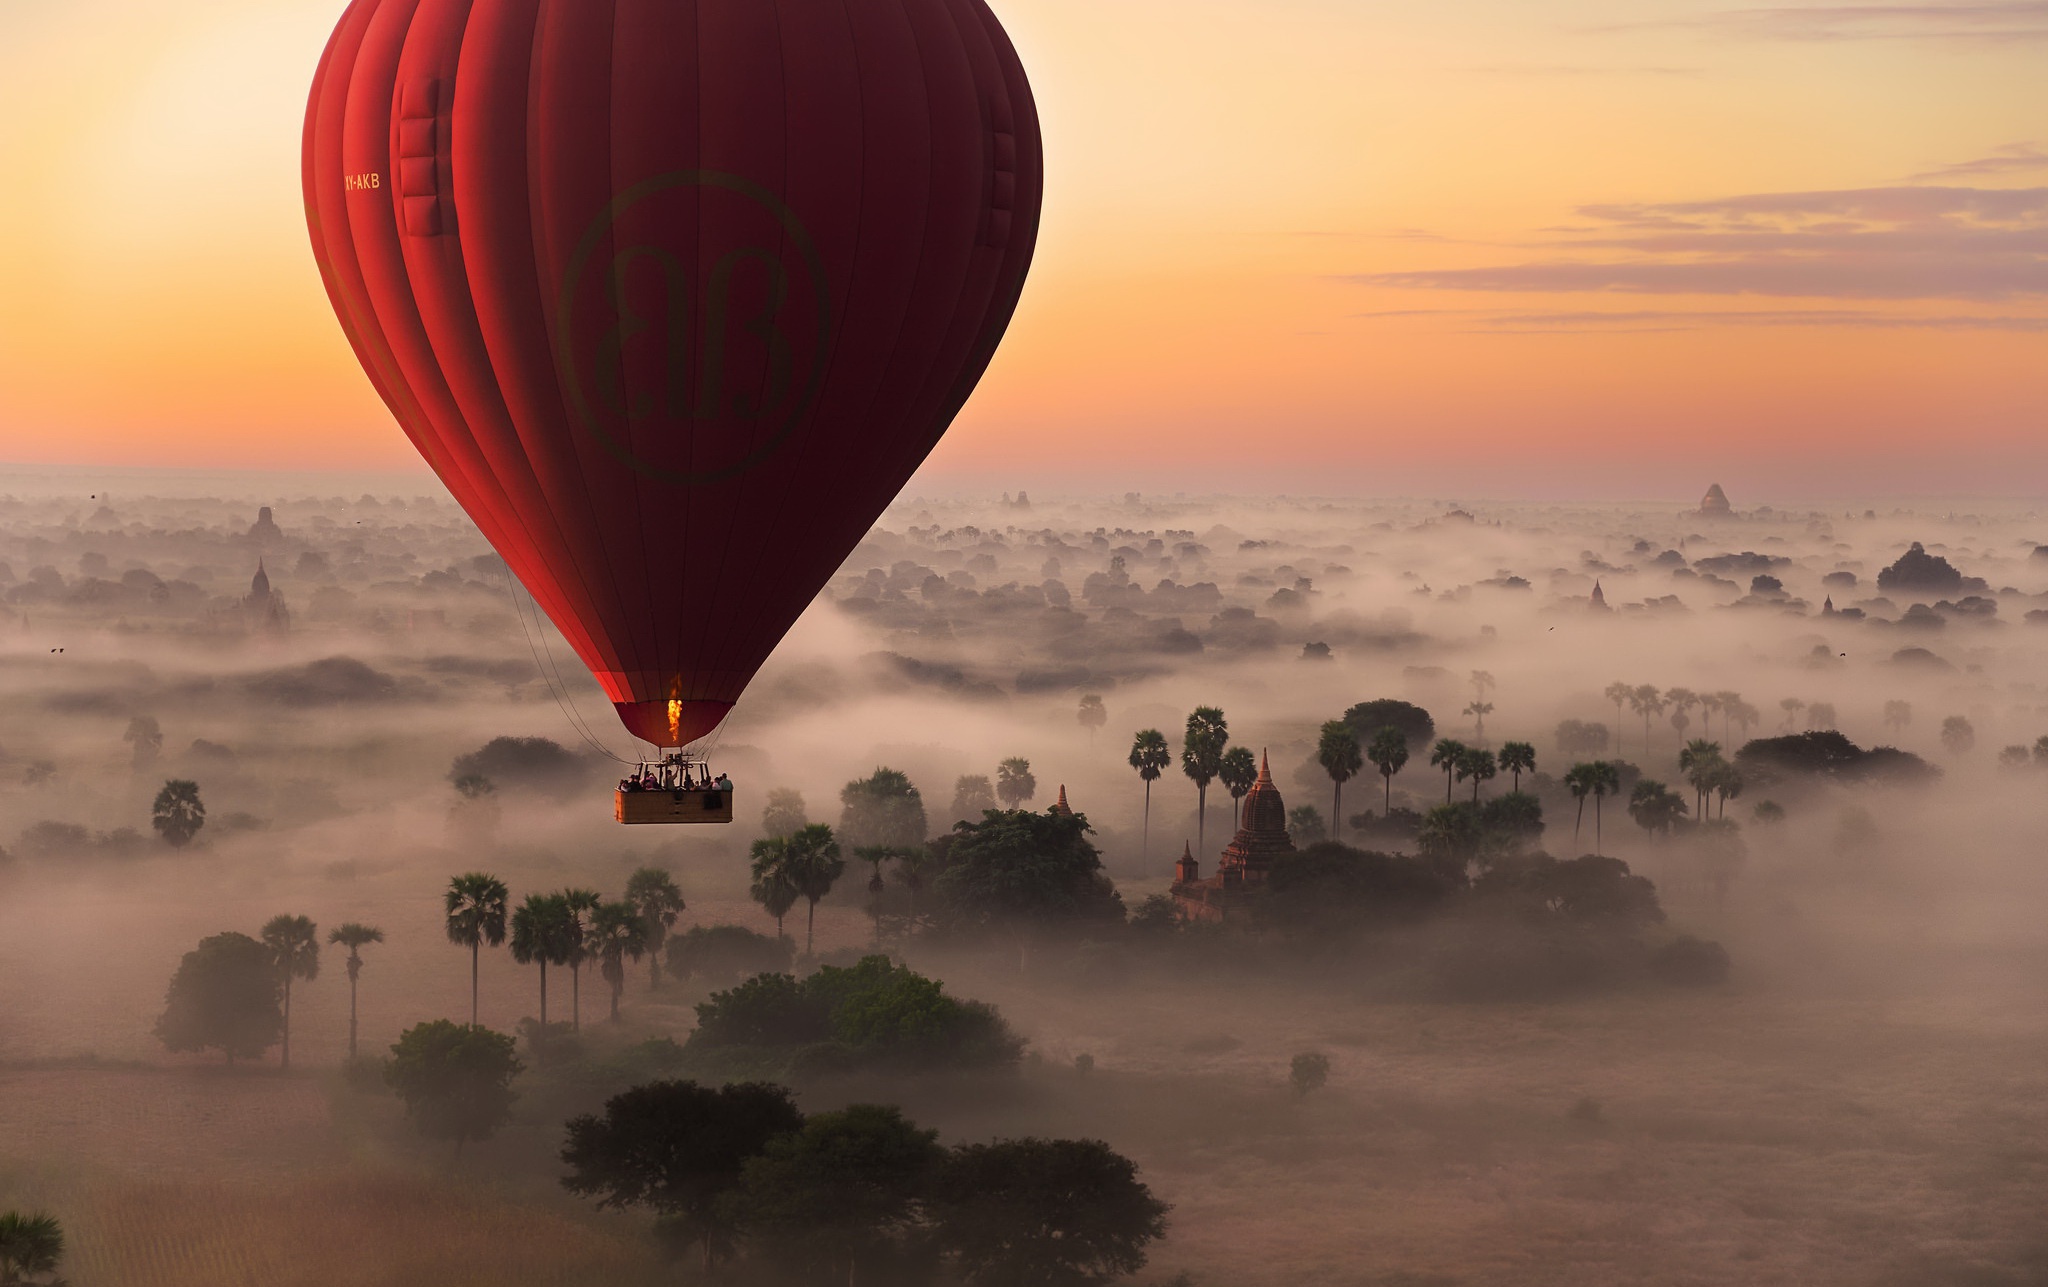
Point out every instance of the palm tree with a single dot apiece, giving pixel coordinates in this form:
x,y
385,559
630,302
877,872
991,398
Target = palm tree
x,y
1579,781
581,903
911,865
1897,715
178,813
1201,758
1446,755
1093,715
1337,750
1479,711
1682,700
476,916
1014,782
354,937
294,944
772,886
1237,772
1727,784
617,934
1654,807
1821,715
1389,754
1482,684
1646,701
654,892
1606,781
30,1246
1150,756
812,864
2041,751
1791,706
1709,704
544,932
1476,763
1698,761
1746,717
1618,692
1517,758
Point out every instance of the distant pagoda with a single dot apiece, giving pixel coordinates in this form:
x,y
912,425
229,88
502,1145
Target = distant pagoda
x,y
1715,504
1246,862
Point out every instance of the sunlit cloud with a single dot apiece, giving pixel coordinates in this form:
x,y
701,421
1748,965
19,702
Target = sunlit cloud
x,y
2014,22
2013,158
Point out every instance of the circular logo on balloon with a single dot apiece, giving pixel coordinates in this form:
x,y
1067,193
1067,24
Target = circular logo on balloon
x,y
692,328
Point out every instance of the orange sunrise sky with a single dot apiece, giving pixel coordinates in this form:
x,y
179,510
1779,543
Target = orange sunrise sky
x,y
1580,248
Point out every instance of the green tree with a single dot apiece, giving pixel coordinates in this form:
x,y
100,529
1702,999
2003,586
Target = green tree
x,y
973,795
653,893
544,934
294,946
677,1148
1305,826
1897,715
1618,693
1150,756
812,865
31,1248
1727,784
1022,872
1654,807
1645,701
1578,779
178,813
1958,735
884,809
784,812
582,903
1388,752
1447,755
225,996
1237,772
355,938
1368,718
913,868
1337,750
1477,764
475,907
2041,751
772,885
1479,711
1201,758
1093,715
1014,782
839,1193
1682,700
616,935
1606,780
455,1080
1699,760
1044,1213
1517,758
1309,1073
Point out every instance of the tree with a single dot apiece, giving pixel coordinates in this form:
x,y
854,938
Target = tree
x,y
653,893
31,1247
455,1080
1654,807
1517,758
581,903
1014,782
1618,692
1698,761
1337,750
1093,715
1238,771
2041,750
1201,757
1710,704
812,864
677,1148
178,813
1305,826
1388,752
838,1192
1021,872
1368,718
1044,1213
1477,764
147,737
294,946
1605,780
225,996
616,935
1482,684
973,795
475,905
1150,756
784,812
772,886
1726,784
1958,735
1821,715
1768,812
1745,716
1897,715
1578,737
2014,757
1791,706
1479,711
544,933
1682,701
1447,755
1309,1073
355,938
882,810
912,865
1646,701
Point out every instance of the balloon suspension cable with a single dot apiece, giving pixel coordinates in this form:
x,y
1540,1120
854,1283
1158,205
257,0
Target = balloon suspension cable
x,y
551,674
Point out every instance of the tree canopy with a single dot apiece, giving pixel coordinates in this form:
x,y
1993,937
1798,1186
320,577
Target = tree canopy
x,y
455,1079
884,810
1019,866
1044,1213
227,995
1414,724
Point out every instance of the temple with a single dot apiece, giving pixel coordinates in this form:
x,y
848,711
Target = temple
x,y
1715,504
1598,603
1246,862
264,611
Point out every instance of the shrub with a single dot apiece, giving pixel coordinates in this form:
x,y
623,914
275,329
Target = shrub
x,y
725,954
1309,1072
1690,962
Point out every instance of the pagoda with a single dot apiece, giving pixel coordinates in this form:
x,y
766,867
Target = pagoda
x,y
1715,504
1261,839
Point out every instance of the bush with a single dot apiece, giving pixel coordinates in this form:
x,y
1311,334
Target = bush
x,y
725,954
1690,962
523,764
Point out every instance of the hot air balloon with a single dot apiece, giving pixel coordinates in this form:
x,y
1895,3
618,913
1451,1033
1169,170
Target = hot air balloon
x,y
673,295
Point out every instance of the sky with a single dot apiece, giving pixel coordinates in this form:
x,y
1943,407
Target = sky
x,y
1576,248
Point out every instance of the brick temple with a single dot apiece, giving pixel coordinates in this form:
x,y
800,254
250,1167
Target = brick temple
x,y
1248,859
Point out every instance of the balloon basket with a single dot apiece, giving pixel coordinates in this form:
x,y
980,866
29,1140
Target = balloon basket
x,y
657,808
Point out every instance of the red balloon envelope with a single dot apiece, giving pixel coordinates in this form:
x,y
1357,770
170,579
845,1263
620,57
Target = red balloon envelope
x,y
674,295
